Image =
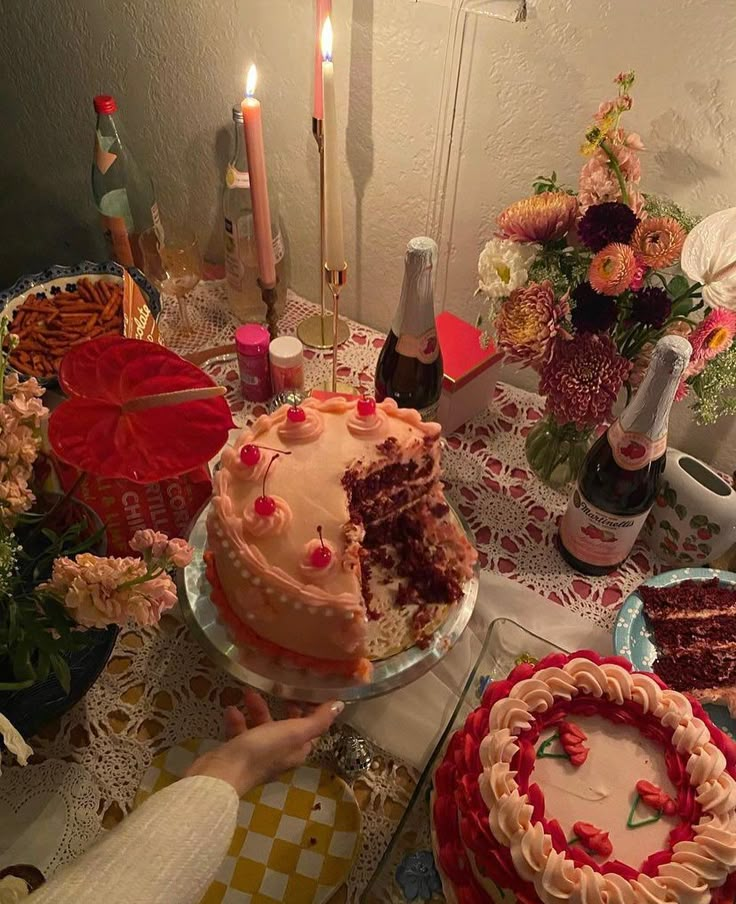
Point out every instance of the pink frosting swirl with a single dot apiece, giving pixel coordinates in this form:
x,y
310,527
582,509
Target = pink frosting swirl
x,y
314,573
371,427
271,525
305,431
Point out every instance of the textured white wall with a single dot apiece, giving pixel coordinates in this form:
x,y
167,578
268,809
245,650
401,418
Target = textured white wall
x,y
176,67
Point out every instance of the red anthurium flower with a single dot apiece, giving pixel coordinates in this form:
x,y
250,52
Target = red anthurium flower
x,y
136,411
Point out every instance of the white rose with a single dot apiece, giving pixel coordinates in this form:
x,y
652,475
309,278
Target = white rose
x,y
13,890
503,266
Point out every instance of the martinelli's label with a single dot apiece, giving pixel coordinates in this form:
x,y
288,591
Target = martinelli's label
x,y
633,451
595,536
424,348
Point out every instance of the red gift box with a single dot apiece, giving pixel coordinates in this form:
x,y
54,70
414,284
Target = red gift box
x,y
469,372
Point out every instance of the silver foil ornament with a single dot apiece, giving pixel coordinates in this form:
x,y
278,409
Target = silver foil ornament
x,y
351,755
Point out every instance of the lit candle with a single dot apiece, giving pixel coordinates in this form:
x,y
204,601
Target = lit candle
x,y
334,244
324,9
252,128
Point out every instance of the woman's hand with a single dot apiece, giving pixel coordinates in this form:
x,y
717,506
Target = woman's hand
x,y
258,748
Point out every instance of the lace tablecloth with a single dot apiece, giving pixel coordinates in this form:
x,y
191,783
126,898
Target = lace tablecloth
x,y
160,688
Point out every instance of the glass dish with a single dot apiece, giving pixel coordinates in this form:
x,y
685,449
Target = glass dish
x,y
406,872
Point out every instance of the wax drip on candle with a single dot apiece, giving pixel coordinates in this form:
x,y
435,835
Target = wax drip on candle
x,y
321,555
265,505
250,454
296,414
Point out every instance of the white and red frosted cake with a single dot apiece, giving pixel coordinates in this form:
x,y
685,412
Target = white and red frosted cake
x,y
330,542
580,780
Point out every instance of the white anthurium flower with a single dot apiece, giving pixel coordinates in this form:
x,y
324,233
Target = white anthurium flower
x,y
503,266
709,257
13,741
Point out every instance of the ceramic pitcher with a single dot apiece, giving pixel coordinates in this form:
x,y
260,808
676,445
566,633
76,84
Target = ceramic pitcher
x,y
694,517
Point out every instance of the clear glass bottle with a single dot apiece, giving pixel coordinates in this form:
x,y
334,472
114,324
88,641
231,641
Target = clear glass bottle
x,y
123,193
241,260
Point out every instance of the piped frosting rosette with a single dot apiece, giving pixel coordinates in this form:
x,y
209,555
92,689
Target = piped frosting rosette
x,y
372,426
504,826
272,525
305,431
312,573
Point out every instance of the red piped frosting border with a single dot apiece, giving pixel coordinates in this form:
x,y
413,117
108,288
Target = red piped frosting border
x,y
358,669
462,820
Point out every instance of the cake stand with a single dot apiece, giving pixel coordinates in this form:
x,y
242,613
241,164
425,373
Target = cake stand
x,y
283,680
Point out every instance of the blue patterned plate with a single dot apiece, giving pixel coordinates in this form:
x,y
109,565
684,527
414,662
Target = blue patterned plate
x,y
632,640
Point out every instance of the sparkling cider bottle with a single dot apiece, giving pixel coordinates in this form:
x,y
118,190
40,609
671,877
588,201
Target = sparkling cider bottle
x,y
619,479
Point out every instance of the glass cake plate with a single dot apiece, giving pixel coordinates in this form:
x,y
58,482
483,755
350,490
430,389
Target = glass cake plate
x,y
407,872
290,683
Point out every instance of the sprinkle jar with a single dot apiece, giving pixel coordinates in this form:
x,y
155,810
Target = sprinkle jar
x,y
251,345
287,363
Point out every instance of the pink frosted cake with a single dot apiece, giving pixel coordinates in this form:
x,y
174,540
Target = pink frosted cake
x,y
330,541
579,780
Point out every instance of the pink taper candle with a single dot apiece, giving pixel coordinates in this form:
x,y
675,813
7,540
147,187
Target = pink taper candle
x,y
324,9
253,131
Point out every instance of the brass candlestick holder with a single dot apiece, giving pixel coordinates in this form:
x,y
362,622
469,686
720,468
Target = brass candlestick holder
x,y
269,296
317,331
336,279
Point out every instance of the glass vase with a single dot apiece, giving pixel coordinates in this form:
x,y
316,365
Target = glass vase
x,y
556,452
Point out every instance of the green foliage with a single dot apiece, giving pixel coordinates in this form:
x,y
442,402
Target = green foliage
x,y
35,628
715,388
659,206
549,183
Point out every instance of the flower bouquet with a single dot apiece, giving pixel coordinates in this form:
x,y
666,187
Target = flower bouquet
x,y
581,285
55,594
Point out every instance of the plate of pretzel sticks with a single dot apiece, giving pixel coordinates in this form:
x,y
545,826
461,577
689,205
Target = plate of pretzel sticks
x,y
52,311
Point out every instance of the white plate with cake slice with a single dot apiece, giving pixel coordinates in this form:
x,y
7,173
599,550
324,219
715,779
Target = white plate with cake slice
x,y
678,625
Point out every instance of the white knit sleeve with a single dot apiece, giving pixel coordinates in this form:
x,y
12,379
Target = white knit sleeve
x,y
166,852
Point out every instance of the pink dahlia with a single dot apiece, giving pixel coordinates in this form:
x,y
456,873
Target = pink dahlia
x,y
582,379
612,269
540,218
713,336
528,321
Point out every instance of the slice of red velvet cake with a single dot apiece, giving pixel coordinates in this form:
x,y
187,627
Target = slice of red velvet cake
x,y
694,628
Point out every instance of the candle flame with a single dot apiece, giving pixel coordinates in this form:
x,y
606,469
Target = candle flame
x,y
250,81
327,39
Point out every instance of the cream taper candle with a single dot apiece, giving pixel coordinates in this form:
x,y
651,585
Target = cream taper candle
x,y
334,242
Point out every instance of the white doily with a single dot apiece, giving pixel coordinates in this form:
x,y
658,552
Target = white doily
x,y
49,814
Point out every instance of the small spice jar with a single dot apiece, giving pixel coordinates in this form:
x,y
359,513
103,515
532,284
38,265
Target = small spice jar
x,y
251,345
287,363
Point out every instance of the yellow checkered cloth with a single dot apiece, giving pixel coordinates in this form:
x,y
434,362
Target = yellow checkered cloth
x,y
295,840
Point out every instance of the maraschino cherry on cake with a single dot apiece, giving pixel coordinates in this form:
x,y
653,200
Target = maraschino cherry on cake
x,y
580,780
330,542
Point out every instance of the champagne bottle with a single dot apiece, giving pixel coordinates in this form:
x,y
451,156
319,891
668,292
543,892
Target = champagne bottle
x,y
619,479
409,368
123,193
